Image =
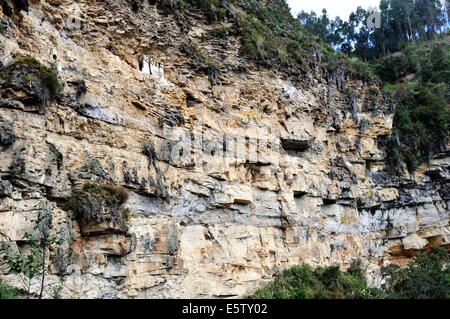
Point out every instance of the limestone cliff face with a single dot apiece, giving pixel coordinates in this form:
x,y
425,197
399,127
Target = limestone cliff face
x,y
232,176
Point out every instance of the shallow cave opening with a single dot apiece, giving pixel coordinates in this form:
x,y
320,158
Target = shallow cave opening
x,y
21,5
135,6
329,201
295,147
8,6
191,100
299,194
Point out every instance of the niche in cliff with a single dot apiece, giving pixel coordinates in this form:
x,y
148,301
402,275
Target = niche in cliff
x,y
192,100
295,145
99,209
11,6
135,6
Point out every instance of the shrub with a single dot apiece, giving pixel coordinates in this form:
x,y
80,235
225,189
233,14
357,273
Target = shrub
x,y
221,32
170,5
214,10
356,269
31,261
393,154
428,277
205,63
436,68
422,118
371,99
8,292
114,194
38,80
176,7
394,67
271,37
304,282
421,123
260,44
360,70
389,88
99,203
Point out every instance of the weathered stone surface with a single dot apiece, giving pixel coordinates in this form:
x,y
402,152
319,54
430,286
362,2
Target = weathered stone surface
x,y
239,194
414,242
7,136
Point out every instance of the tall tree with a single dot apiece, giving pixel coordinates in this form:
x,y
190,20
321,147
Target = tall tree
x,y
401,21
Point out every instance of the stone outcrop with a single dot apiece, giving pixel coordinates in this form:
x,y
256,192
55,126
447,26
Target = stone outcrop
x,y
229,182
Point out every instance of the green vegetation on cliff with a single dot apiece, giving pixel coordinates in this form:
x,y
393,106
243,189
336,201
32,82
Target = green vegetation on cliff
x,y
427,277
304,282
418,78
7,292
39,80
270,36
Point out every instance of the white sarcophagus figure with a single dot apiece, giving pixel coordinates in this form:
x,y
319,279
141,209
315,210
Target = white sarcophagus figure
x,y
153,68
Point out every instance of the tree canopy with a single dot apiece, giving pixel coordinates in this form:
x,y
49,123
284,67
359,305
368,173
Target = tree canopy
x,y
401,21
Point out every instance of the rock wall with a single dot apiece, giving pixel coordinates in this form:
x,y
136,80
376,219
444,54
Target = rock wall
x,y
229,181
